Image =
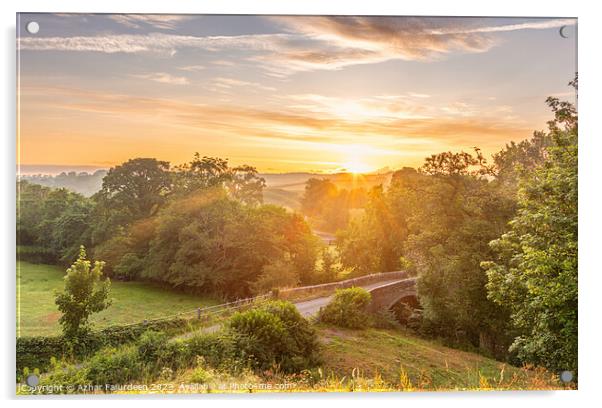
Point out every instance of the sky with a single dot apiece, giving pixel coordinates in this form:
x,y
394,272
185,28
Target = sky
x,y
283,93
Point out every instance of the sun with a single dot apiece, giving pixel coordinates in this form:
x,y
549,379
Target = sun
x,y
355,160
357,167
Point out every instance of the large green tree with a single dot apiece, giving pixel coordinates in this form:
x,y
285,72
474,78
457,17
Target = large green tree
x,y
534,272
209,242
131,191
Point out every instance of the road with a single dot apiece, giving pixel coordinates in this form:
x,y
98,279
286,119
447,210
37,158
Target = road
x,y
311,307
307,308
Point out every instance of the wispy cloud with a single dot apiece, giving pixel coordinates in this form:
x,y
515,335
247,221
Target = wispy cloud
x,y
388,124
192,68
309,43
161,21
532,25
163,78
229,83
150,43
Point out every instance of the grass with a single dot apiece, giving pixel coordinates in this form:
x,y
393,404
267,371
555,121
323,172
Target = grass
x,y
132,301
371,360
401,360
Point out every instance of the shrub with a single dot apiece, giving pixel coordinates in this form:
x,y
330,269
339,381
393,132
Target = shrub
x,y
201,376
62,378
385,319
348,309
275,335
151,345
215,348
114,366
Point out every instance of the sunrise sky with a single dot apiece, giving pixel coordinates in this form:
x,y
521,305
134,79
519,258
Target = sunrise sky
x,y
319,94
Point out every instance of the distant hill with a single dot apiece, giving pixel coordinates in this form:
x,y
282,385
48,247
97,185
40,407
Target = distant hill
x,y
283,189
83,182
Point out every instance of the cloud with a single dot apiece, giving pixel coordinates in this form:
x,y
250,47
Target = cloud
x,y
163,78
161,21
150,43
350,40
228,83
532,25
391,124
192,68
308,43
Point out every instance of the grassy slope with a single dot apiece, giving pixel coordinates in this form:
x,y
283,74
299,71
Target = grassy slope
x,y
428,364
132,301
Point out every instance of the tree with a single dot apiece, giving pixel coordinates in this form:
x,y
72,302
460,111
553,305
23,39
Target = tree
x,y
209,242
130,191
201,173
85,293
534,272
330,269
275,276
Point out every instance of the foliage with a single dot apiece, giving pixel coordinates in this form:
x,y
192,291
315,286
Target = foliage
x,y
38,351
68,378
210,243
348,308
201,173
534,272
114,366
328,206
275,335
85,293
130,191
54,221
330,268
276,275
150,346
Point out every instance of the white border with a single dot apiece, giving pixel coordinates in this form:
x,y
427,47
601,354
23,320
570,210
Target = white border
x,y
589,178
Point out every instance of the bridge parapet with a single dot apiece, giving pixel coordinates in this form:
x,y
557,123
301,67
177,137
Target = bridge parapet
x,y
327,288
385,296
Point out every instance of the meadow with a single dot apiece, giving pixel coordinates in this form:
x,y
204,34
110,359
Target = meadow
x,y
37,314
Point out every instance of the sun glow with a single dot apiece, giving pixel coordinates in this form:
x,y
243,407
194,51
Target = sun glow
x,y
355,159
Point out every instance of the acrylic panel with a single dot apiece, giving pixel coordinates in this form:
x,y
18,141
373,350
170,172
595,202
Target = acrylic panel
x,y
288,203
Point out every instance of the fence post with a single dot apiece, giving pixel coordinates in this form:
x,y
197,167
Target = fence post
x,y
198,313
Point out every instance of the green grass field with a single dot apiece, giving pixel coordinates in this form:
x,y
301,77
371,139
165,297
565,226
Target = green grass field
x,y
132,301
427,364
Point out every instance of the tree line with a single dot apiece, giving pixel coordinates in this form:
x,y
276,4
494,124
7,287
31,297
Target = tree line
x,y
494,245
200,226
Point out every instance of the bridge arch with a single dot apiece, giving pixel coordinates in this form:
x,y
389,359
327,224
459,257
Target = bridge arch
x,y
385,296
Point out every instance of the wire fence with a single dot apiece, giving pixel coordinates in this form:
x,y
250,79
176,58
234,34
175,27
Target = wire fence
x,y
207,312
223,309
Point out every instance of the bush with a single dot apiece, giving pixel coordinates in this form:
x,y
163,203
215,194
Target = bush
x,y
348,309
62,378
35,352
217,349
115,366
275,335
150,346
201,376
385,319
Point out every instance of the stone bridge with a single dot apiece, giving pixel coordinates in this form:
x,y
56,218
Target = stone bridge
x,y
386,295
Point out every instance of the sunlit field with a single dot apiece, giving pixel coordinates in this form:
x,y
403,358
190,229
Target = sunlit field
x,y
132,301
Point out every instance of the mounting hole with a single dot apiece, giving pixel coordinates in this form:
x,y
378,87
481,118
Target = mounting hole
x,y
566,376
32,380
32,27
